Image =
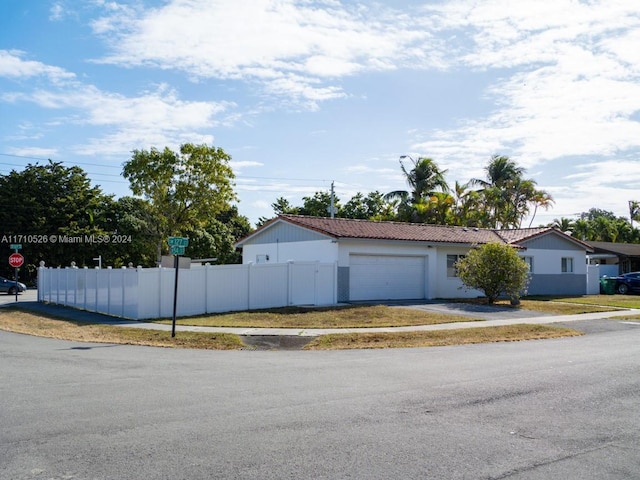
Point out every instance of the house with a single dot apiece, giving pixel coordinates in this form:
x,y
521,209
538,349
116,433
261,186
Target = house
x,y
392,260
615,258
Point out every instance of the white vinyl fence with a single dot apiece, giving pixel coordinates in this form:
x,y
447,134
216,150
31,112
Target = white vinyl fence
x,y
142,293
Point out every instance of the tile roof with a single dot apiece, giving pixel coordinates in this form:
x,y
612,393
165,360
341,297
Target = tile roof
x,y
419,232
521,234
412,232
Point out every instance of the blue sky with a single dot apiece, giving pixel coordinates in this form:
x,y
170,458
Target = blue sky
x,y
305,93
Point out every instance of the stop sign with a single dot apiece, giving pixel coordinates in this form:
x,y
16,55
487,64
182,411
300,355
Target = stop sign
x,y
16,260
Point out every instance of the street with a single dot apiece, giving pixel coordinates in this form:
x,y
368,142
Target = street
x,y
565,408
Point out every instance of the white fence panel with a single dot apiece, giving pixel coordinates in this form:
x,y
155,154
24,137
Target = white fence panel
x,y
302,285
192,299
268,286
148,293
227,288
91,290
130,293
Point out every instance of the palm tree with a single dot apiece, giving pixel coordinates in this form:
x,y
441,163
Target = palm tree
x,y
564,224
425,179
466,202
540,199
508,196
501,171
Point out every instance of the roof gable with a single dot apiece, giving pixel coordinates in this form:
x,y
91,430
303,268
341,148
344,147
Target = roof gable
x,y
524,236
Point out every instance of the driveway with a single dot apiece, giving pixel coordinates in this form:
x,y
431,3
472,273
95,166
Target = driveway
x,y
486,312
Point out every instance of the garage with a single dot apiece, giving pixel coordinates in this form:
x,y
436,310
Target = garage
x,y
386,277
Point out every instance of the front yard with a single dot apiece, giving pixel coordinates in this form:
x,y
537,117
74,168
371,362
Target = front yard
x,y
358,316
21,321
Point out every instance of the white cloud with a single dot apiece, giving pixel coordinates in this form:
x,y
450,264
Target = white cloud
x,y
34,152
156,117
13,66
576,89
294,49
56,12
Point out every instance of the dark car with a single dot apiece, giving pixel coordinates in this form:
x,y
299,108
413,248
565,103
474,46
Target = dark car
x,y
11,287
628,282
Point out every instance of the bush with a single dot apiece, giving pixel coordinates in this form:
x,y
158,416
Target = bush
x,y
496,269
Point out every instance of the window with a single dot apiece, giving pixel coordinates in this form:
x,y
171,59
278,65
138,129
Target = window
x,y
567,265
529,261
451,265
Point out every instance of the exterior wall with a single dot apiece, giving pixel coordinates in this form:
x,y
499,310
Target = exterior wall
x,y
451,287
547,277
283,232
324,251
558,285
292,243
343,284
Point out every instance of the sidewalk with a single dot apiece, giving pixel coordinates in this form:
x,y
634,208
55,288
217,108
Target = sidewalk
x,y
85,316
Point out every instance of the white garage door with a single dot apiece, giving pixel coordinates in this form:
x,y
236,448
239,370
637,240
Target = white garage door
x,y
386,277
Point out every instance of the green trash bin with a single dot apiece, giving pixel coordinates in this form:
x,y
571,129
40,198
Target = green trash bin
x,y
608,285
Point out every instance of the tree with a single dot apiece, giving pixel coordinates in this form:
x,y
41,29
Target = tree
x,y
184,189
319,205
466,209
508,197
634,211
280,207
48,204
134,221
215,239
373,206
424,179
496,269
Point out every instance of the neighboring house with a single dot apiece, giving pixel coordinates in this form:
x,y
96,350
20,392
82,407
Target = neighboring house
x,y
392,261
615,258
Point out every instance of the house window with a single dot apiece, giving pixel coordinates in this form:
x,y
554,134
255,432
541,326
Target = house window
x,y
529,261
452,271
567,265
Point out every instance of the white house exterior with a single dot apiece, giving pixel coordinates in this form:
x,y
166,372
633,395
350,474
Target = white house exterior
x,y
393,261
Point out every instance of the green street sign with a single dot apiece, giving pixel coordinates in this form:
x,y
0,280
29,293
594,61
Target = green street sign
x,y
178,242
16,246
177,250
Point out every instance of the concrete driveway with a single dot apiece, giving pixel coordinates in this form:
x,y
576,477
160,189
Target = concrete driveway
x,y
486,312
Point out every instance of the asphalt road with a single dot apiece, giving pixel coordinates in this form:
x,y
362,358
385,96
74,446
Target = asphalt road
x,y
564,408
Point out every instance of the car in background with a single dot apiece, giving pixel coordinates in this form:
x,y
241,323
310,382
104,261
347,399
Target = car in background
x,y
628,283
11,287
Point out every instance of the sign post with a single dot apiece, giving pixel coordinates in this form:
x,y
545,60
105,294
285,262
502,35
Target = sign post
x,y
177,246
16,260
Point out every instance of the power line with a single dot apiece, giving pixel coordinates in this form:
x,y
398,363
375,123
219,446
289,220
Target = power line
x,y
59,161
238,178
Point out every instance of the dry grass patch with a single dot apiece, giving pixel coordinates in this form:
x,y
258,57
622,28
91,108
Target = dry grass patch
x,y
17,321
611,302
553,305
352,316
509,333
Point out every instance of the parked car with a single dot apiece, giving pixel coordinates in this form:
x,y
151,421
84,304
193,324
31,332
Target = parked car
x,y
628,282
10,286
